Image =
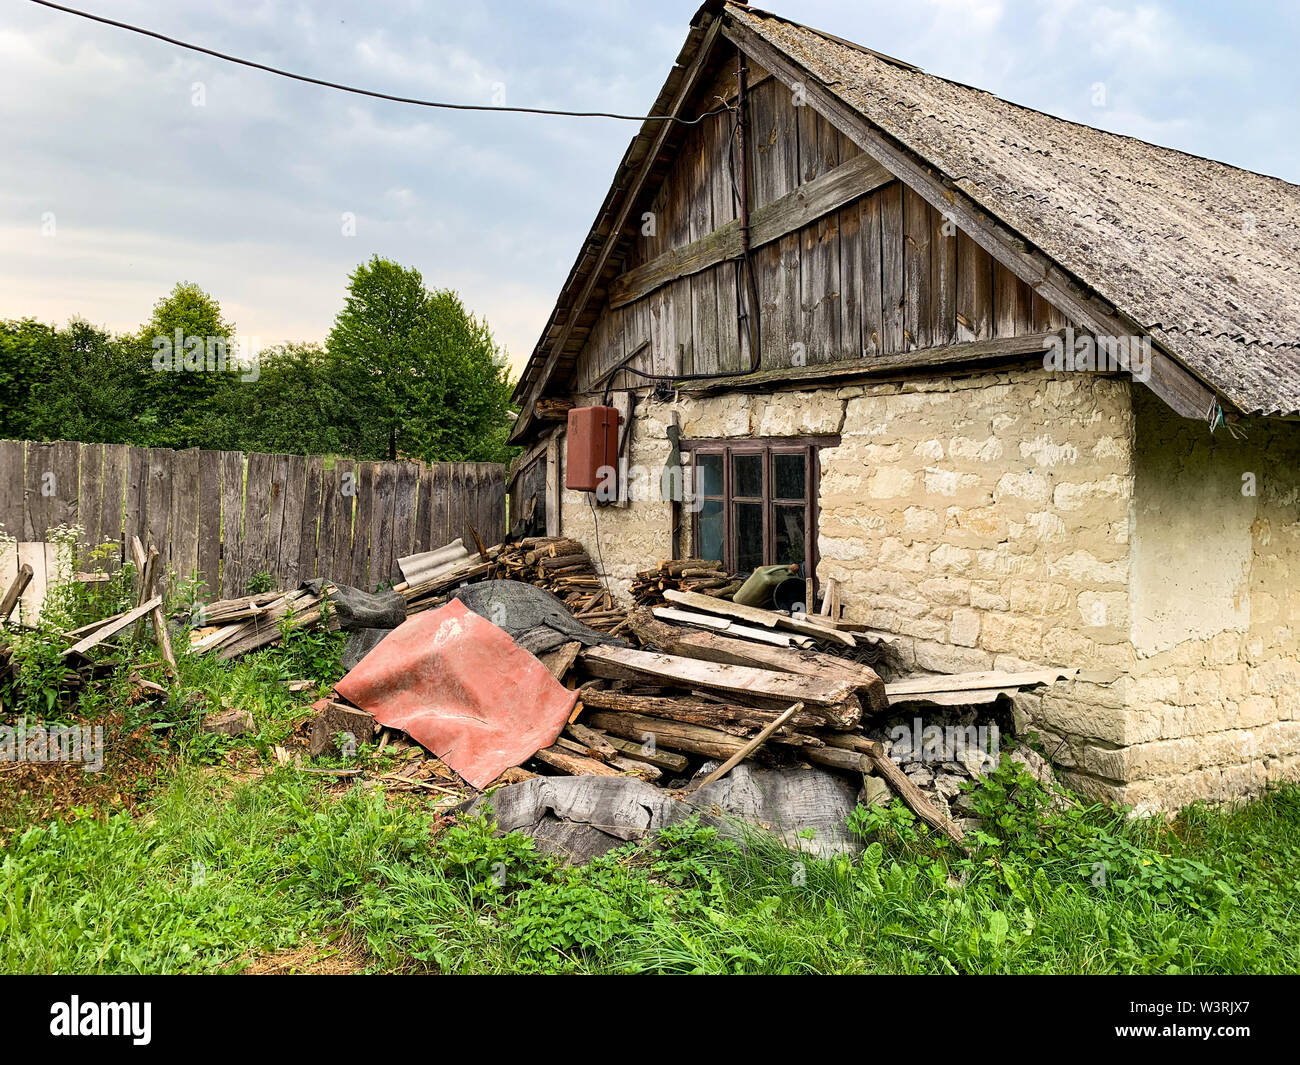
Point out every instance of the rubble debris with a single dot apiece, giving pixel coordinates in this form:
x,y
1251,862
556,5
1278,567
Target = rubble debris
x,y
229,721
461,687
334,719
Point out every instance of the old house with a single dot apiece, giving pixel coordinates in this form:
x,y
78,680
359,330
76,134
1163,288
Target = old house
x,y
1027,390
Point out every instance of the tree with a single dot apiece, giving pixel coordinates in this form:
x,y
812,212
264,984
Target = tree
x,y
76,383
188,355
413,373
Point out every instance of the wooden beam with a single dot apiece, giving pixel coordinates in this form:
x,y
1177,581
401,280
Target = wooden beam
x,y
123,622
841,185
630,198
770,619
15,592
748,749
997,349
691,673
1169,380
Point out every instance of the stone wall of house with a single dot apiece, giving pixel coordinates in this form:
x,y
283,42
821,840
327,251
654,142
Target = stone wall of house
x,y
1021,519
1215,685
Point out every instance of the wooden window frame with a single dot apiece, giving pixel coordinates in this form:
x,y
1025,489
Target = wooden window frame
x,y
768,447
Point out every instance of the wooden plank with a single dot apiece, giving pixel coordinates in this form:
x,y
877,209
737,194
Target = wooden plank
x,y
553,486
897,365
423,512
295,487
382,525
893,291
851,281
756,615
257,511
16,584
275,521
497,533
234,579
1006,301
916,270
105,631
872,306
159,513
974,298
943,279
347,480
715,647
439,527
208,556
184,517
136,497
790,212
40,488
12,488
312,514
112,494
90,493
32,555
713,676
359,565
405,487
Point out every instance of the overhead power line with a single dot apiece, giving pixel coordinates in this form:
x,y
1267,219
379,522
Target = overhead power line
x,y
370,92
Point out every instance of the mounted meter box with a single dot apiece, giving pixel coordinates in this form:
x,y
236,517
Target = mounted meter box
x,y
591,444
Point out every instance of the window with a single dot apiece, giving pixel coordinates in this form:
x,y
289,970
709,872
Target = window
x,y
757,502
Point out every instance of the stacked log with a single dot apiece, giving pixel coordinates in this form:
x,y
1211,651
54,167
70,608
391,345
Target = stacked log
x,y
683,574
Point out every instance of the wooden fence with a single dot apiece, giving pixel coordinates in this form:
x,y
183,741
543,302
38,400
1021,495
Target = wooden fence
x,y
227,516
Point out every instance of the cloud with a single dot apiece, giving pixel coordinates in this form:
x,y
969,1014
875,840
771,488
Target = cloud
x,y
245,194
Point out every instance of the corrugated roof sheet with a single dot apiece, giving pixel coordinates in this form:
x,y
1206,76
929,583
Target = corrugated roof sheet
x,y
1205,256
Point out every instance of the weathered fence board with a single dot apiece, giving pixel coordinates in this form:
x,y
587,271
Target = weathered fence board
x,y
225,517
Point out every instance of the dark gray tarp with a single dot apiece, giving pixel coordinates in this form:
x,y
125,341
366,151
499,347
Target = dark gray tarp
x,y
363,610
359,644
537,620
578,818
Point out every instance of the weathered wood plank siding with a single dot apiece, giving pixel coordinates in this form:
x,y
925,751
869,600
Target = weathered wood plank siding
x,y
226,517
876,272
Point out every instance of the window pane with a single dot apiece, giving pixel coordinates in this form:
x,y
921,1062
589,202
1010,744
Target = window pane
x,y
710,519
748,519
747,474
790,476
789,534
708,475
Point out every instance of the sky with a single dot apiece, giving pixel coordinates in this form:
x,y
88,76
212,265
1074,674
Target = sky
x,y
127,164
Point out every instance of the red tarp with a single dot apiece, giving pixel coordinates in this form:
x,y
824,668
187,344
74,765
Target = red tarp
x,y
460,686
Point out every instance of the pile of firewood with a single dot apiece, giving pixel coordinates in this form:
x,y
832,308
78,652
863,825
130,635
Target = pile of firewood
x,y
683,574
563,567
689,695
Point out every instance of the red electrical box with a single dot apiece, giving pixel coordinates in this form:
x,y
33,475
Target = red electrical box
x,y
592,444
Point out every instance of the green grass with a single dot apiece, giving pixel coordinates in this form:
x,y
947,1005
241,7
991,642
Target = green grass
x,y
283,859
204,876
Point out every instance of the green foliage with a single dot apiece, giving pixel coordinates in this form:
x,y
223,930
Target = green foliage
x,y
309,654
416,374
406,372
